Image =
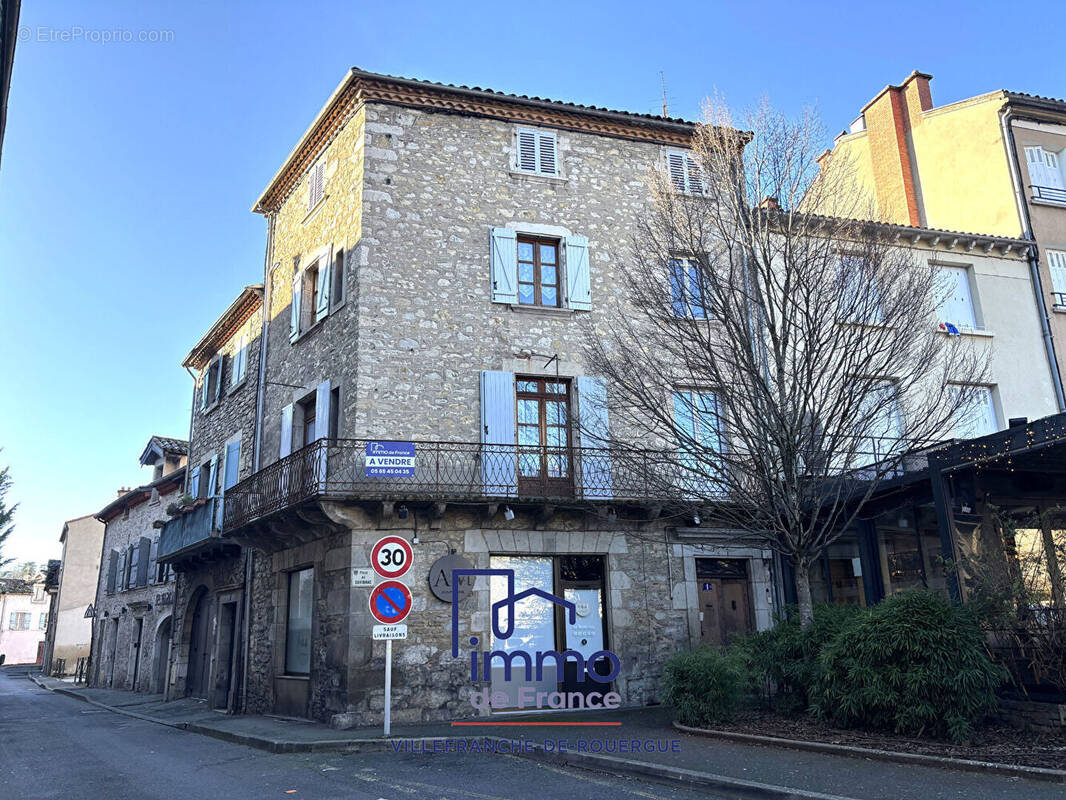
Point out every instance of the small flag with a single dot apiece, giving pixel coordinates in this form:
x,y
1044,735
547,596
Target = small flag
x,y
949,329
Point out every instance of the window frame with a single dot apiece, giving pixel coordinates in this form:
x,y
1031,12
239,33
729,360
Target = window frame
x,y
289,576
684,303
538,284
542,396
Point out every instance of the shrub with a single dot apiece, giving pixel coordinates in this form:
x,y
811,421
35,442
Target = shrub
x,y
912,664
706,685
787,656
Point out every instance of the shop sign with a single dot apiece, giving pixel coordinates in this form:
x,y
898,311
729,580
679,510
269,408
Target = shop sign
x,y
440,577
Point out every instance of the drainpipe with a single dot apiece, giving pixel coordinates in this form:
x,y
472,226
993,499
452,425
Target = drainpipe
x,y
1005,115
260,388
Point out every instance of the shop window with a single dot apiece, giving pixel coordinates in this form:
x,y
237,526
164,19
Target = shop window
x,y
845,573
901,560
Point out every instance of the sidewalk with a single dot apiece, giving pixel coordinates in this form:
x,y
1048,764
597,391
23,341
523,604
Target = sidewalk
x,y
731,769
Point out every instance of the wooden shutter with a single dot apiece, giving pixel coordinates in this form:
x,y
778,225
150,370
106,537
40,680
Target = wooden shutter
x,y
218,378
499,475
336,295
144,552
240,360
596,481
194,482
231,465
203,387
1034,160
324,284
1053,171
504,255
153,566
212,477
694,175
286,431
578,280
547,162
112,571
676,164
294,309
316,184
527,150
322,397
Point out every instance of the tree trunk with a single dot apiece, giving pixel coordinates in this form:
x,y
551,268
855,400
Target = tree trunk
x,y
803,594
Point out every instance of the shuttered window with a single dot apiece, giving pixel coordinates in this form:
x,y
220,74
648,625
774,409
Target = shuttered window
x,y
112,572
537,152
144,552
684,172
977,411
240,360
316,181
956,304
1056,261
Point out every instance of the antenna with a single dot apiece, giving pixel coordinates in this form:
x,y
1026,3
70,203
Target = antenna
x,y
662,80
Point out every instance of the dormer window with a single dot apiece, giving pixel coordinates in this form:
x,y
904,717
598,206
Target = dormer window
x,y
536,152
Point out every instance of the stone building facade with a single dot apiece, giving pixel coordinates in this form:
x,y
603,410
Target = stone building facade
x,y
403,193
135,595
211,574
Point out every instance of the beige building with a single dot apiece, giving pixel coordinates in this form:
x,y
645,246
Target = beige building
x,y
70,634
994,163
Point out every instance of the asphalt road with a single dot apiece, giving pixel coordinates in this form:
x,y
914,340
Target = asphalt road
x,y
53,746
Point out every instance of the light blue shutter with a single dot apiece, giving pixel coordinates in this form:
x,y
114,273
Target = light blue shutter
x,y
203,388
218,379
212,477
504,254
596,481
323,286
294,309
499,473
321,430
578,282
286,431
231,470
194,482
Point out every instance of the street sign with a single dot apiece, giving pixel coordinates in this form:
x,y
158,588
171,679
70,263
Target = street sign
x,y
362,577
390,460
390,602
389,632
392,556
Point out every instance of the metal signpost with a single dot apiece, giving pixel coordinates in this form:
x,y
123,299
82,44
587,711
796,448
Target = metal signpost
x,y
390,603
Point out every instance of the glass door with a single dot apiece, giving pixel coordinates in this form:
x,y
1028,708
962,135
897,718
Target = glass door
x,y
544,437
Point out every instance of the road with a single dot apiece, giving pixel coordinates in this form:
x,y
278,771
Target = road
x,y
53,746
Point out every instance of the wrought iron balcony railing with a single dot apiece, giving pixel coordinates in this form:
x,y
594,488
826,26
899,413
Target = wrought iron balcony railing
x,y
1049,194
338,469
1059,299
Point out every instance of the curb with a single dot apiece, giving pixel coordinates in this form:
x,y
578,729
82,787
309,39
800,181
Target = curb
x,y
725,787
892,756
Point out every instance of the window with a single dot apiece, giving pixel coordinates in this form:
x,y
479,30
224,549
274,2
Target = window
x,y
298,623
977,411
1056,262
38,594
335,413
337,291
686,289
232,465
310,294
859,295
316,180
956,305
685,172
42,622
203,480
240,361
538,271
543,434
211,382
698,423
879,425
536,152
19,621
1045,174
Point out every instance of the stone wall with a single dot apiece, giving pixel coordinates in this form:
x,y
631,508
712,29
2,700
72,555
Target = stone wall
x,y
153,604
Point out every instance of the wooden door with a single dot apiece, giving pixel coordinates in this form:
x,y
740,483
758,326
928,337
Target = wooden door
x,y
199,651
724,599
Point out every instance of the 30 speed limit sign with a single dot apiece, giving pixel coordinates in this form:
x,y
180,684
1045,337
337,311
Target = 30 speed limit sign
x,y
391,556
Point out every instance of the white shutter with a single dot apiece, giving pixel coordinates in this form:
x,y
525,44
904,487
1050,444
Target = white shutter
x,y
578,280
322,394
503,252
1054,173
692,172
324,283
499,473
153,568
957,306
1034,160
316,184
286,431
526,159
977,415
676,164
1056,261
294,310
546,154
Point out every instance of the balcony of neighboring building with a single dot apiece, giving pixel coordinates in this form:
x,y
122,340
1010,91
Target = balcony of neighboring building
x,y
193,536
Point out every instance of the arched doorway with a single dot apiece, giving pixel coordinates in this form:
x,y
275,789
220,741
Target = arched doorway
x,y
196,684
162,656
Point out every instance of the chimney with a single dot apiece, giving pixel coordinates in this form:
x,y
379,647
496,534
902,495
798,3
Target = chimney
x,y
919,98
123,490
769,203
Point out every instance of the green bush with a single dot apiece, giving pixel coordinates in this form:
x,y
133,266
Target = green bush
x,y
912,664
787,657
707,685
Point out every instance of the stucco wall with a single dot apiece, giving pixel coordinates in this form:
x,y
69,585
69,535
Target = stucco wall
x,y
20,647
77,589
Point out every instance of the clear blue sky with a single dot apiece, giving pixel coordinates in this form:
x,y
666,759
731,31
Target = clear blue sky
x,y
129,168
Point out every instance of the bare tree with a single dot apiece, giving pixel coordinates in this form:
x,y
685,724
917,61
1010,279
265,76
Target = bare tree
x,y
7,515
792,359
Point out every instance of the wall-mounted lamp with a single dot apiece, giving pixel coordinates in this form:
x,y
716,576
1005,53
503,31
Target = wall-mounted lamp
x,y
508,514
402,512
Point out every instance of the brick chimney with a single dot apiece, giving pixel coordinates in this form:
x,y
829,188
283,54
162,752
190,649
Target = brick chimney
x,y
889,119
123,490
